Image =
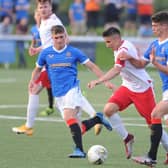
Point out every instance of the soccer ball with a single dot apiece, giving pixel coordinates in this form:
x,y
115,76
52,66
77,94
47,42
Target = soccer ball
x,y
97,154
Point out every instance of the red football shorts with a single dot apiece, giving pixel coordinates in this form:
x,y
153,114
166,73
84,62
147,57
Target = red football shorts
x,y
144,102
43,79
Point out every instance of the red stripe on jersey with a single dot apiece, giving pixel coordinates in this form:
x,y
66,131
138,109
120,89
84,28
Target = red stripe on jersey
x,y
120,62
123,48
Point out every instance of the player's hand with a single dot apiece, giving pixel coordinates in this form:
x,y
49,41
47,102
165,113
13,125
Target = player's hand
x,y
110,85
92,84
31,86
32,51
152,56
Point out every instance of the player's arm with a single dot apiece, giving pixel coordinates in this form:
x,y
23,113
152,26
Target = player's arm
x,y
157,65
34,51
137,62
112,73
99,73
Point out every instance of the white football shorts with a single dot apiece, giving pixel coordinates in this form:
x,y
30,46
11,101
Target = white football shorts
x,y
72,99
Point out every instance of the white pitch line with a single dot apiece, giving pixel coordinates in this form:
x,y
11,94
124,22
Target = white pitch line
x,y
37,118
8,80
57,120
12,106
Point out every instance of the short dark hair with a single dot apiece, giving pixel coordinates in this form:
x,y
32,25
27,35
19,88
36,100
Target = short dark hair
x,y
111,31
43,1
56,29
160,17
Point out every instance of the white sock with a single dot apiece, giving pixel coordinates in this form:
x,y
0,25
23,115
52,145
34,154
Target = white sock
x,y
32,109
118,125
87,107
164,140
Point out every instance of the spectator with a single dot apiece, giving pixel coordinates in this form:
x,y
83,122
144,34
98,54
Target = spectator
x,y
92,8
131,18
111,13
6,26
6,9
22,29
77,17
55,5
22,9
145,11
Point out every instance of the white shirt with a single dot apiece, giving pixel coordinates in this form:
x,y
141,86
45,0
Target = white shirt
x,y
45,30
135,79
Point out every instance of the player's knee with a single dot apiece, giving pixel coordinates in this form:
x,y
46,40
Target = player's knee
x,y
109,109
156,114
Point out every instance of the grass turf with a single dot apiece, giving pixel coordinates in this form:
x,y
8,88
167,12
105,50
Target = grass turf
x,y
51,142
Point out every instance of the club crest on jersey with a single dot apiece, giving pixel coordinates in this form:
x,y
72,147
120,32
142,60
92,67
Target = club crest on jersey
x,y
50,55
68,54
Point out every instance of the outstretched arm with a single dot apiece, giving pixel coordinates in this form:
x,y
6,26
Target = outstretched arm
x,y
106,77
99,73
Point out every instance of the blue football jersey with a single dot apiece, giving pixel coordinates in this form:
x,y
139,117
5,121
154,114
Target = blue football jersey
x,y
161,52
62,67
36,36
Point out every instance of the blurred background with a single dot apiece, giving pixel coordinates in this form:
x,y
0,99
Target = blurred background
x,y
84,19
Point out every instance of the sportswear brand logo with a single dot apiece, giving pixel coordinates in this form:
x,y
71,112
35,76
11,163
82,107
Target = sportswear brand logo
x,y
68,54
50,55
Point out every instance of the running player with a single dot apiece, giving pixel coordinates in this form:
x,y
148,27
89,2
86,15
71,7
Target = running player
x,y
61,62
36,42
157,54
136,89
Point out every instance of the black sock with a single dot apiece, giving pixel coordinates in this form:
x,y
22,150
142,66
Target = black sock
x,y
91,122
76,135
50,97
156,134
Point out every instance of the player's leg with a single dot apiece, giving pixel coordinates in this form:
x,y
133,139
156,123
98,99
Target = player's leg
x,y
50,109
127,137
160,110
33,105
72,123
148,101
119,101
46,83
32,109
69,106
88,108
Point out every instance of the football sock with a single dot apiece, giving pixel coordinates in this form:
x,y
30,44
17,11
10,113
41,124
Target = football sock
x,y
88,124
156,133
87,107
75,132
50,97
118,125
32,109
164,140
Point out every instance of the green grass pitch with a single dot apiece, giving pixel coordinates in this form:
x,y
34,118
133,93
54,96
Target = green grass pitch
x,y
51,142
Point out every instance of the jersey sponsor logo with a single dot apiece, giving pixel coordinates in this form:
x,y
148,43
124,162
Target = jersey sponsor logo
x,y
61,65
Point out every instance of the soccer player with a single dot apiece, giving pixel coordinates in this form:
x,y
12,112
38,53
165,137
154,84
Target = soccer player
x,y
157,54
48,19
36,42
136,89
61,62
